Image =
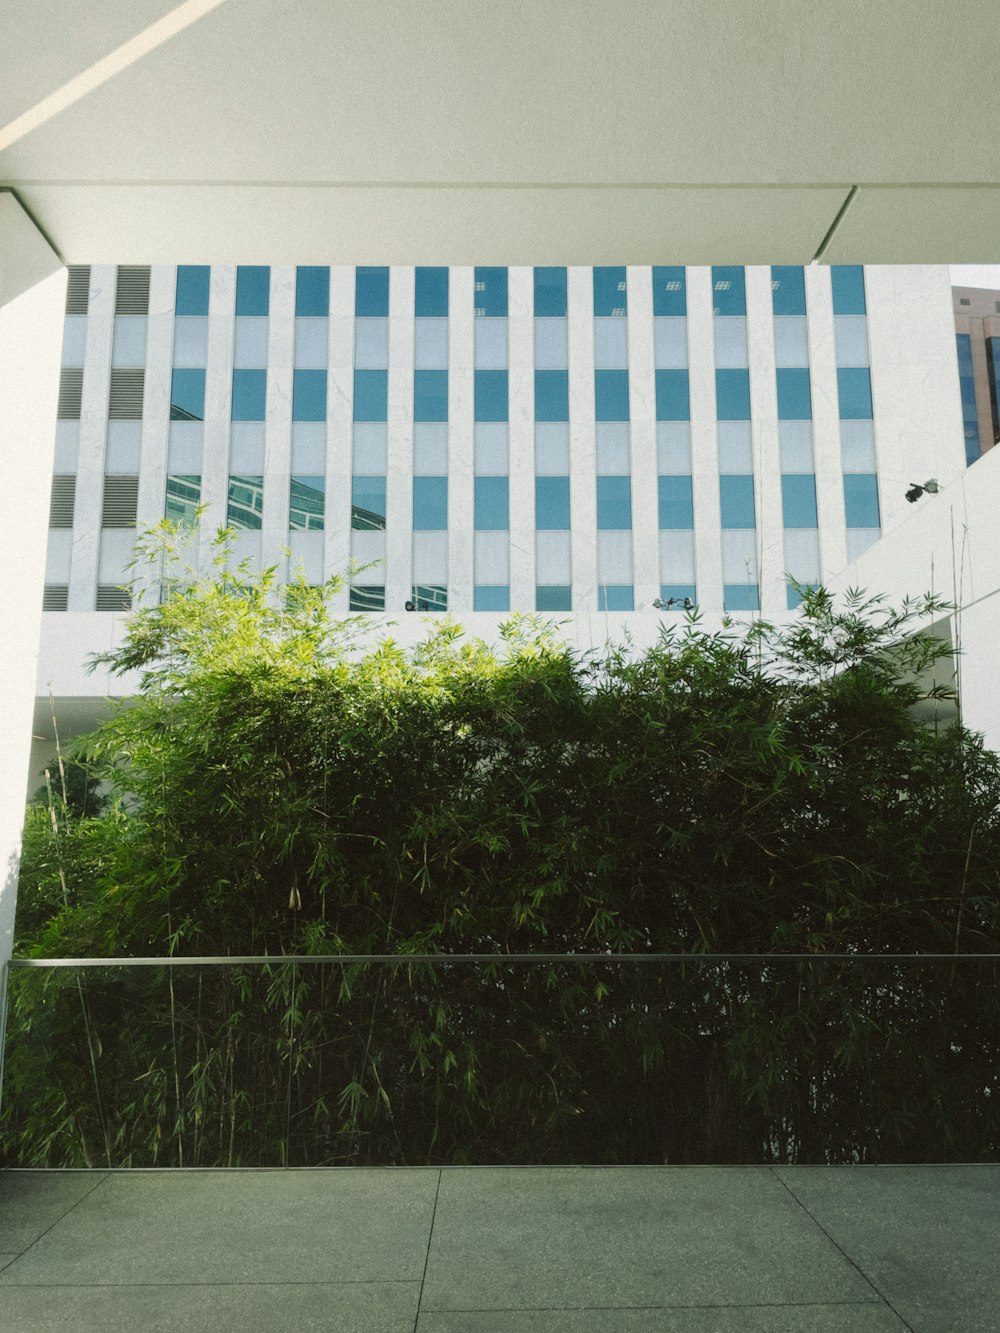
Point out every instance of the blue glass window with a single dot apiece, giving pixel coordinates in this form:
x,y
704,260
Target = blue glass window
x,y
794,596
861,499
491,597
430,504
306,503
430,395
371,292
245,502
675,502
491,394
615,597
367,503
553,597
678,591
249,395
798,499
367,597
993,376
551,395
732,395
431,293
552,504
312,290
187,395
967,385
611,395
182,498
491,292
669,290
371,395
550,292
614,503
848,284
673,400
253,286
430,597
610,291
736,501
492,504
788,289
309,395
794,397
729,290
192,289
740,597
854,390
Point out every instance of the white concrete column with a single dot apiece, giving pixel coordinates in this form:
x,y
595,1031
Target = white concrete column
x,y
461,434
704,441
582,437
339,430
218,399
826,420
766,451
33,283
399,451
642,400
521,428
278,413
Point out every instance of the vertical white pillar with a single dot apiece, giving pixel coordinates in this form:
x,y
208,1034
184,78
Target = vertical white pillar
x,y
826,420
642,399
340,429
766,451
399,452
704,441
31,322
521,428
582,437
461,434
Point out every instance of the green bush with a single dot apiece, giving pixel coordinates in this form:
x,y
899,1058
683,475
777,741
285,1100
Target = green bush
x,y
279,788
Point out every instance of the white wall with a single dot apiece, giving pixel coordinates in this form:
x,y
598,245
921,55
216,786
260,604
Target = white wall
x,y
30,349
947,544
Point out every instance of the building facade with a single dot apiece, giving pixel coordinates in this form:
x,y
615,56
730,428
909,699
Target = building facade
x,y
492,439
977,334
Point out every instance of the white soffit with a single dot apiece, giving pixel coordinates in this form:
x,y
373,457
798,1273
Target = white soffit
x,y
575,131
26,258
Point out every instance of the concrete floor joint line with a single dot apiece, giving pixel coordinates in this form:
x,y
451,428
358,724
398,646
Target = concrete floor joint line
x,y
858,1269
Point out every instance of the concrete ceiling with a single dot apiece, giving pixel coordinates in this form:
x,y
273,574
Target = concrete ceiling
x,y
459,131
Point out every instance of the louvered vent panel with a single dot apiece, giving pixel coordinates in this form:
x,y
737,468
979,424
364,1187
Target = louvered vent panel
x,y
78,291
132,291
55,597
121,498
125,397
111,597
70,394
63,500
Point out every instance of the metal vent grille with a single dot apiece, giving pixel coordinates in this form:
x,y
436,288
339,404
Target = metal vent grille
x,y
70,394
121,499
125,397
55,597
63,501
113,597
132,291
78,290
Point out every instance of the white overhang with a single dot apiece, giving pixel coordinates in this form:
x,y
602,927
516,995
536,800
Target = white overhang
x,y
460,131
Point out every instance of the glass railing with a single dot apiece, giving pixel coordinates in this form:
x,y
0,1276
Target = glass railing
x,y
585,1059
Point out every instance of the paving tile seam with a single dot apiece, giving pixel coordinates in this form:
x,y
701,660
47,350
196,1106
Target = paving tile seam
x,y
714,1305
61,1218
275,1282
427,1256
775,1171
